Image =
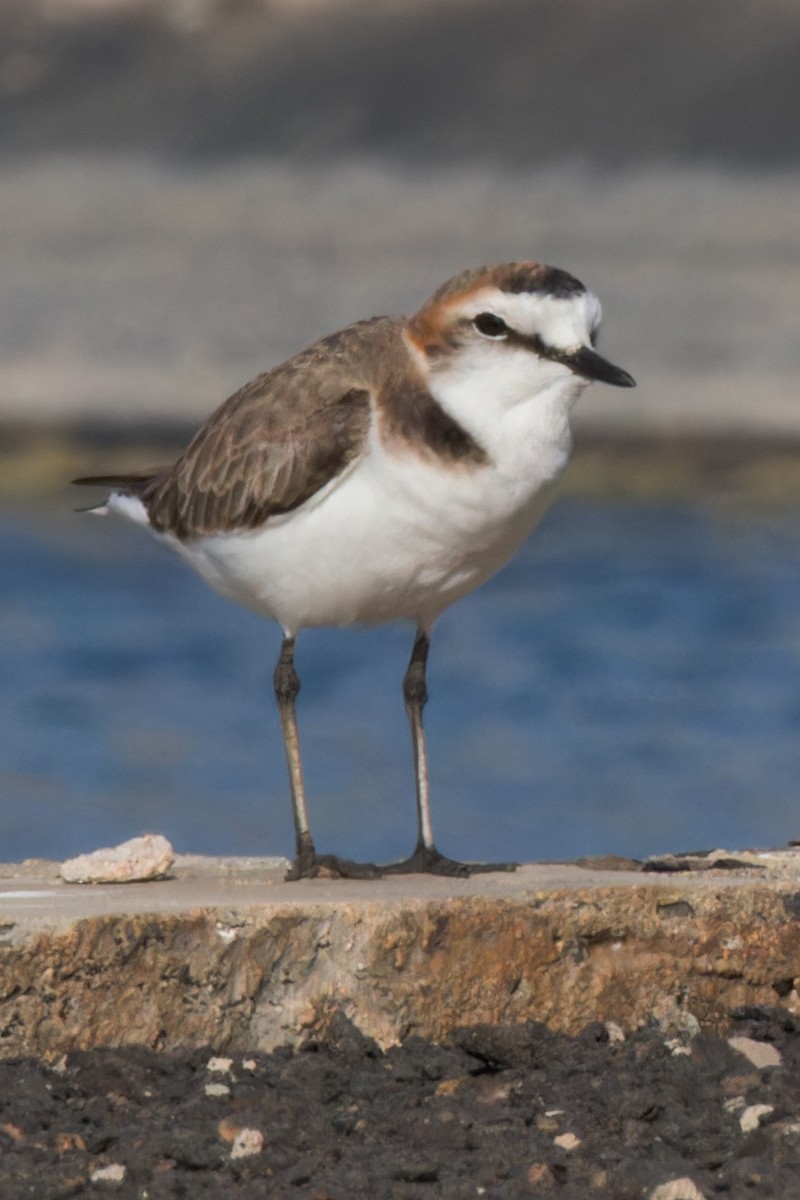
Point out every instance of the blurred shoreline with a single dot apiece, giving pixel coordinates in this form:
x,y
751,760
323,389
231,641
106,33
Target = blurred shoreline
x,y
732,472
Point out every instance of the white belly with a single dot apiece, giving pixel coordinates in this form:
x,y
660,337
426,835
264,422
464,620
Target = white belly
x,y
395,538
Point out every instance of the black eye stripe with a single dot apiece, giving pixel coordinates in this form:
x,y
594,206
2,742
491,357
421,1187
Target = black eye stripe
x,y
490,325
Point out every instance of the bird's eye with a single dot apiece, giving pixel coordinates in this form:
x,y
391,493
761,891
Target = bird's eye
x,y
490,325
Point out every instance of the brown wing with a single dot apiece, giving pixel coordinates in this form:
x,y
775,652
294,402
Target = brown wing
x,y
268,448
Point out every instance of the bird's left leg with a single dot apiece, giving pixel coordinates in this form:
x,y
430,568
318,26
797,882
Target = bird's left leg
x,y
426,857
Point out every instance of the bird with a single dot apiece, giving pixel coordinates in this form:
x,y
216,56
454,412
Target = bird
x,y
381,474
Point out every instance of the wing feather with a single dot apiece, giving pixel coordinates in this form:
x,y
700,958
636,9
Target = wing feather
x,y
265,451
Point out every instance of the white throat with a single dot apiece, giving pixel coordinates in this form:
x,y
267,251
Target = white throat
x,y
499,392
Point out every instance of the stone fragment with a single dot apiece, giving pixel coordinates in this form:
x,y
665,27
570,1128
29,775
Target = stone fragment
x,y
760,1054
548,1122
751,1117
217,1089
69,1141
134,861
677,1189
247,1142
228,1129
219,1066
567,1141
540,1175
615,1032
113,1173
677,1046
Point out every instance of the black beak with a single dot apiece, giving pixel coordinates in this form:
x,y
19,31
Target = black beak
x,y
591,365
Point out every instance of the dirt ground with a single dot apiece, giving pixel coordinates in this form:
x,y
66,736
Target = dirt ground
x,y
499,1112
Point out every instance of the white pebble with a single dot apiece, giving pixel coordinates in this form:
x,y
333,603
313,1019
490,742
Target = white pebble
x,y
247,1142
751,1117
217,1089
760,1054
615,1032
677,1189
113,1173
567,1141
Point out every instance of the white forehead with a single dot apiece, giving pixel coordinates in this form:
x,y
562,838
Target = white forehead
x,y
565,322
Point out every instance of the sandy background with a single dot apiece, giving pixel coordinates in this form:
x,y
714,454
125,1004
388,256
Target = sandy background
x,y
192,189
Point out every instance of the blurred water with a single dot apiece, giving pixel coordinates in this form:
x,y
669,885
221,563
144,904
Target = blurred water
x,y
630,684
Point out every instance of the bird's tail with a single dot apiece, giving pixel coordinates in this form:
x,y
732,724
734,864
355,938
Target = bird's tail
x,y
135,483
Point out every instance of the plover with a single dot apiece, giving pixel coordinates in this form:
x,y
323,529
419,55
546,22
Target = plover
x,y
381,474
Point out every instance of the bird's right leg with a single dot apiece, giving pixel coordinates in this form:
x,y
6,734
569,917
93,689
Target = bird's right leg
x,y
307,861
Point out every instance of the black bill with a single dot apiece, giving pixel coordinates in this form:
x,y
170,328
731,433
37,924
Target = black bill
x,y
591,365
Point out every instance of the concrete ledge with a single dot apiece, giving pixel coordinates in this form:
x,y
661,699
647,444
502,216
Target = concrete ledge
x,y
226,954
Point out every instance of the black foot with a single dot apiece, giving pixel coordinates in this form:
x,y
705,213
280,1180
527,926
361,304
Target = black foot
x,y
330,866
431,862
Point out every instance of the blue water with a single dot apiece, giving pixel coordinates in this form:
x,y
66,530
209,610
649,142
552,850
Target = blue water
x,y
631,684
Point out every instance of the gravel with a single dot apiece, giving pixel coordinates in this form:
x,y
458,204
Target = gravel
x,y
500,1111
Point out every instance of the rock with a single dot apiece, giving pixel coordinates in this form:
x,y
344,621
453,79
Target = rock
x,y
66,1142
113,1173
219,1066
567,1141
229,1129
247,1143
549,945
540,1175
135,861
751,1117
760,1054
677,1189
217,1089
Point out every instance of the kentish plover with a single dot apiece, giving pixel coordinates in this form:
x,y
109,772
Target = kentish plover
x,y
381,474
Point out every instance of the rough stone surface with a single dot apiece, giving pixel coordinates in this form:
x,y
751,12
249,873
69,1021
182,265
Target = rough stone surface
x,y
227,954
135,861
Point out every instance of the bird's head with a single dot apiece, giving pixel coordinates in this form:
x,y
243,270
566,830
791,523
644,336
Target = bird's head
x,y
525,326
